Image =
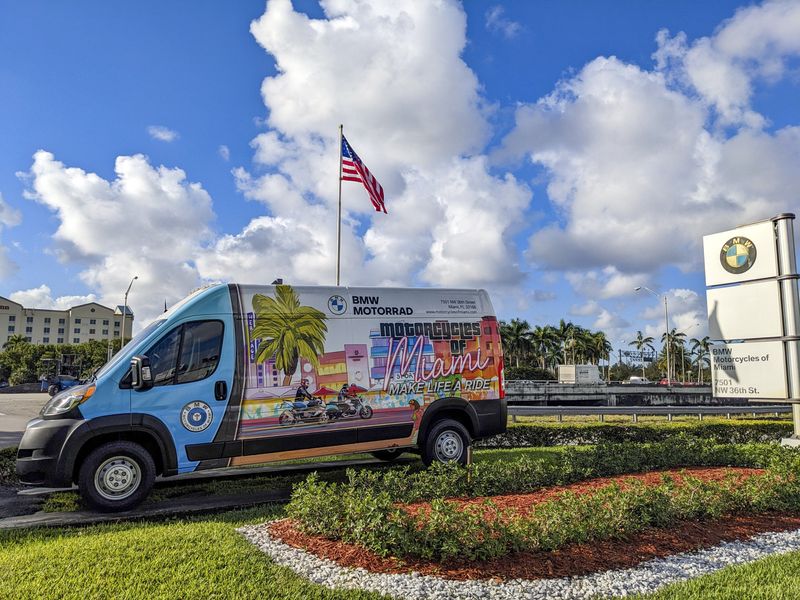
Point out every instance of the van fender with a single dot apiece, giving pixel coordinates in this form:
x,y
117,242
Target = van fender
x,y
116,424
448,405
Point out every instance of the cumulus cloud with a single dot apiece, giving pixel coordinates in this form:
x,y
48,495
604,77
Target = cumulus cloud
x,y
149,221
586,309
687,314
42,297
421,124
497,22
634,161
162,134
605,283
224,152
9,217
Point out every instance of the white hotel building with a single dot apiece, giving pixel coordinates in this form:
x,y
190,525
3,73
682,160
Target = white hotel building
x,y
74,325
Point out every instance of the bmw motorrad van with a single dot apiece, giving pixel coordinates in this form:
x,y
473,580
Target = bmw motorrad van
x,y
240,374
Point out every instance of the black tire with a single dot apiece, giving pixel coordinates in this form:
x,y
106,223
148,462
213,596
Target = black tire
x,y
389,454
447,441
365,412
52,390
116,476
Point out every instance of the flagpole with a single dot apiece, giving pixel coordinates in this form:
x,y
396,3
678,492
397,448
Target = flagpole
x,y
339,228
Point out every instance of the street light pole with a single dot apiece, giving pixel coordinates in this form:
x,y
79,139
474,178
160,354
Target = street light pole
x,y
125,309
666,325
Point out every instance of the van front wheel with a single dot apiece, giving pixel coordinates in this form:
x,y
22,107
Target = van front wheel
x,y
116,476
447,441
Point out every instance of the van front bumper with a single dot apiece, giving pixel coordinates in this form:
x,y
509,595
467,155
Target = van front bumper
x,y
39,455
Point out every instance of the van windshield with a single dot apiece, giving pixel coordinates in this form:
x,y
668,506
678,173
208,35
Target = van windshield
x,y
128,349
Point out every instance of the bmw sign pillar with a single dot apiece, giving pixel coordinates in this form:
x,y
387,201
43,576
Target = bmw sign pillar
x,y
754,313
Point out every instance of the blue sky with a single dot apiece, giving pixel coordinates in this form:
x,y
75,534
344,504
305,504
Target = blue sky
x,y
556,153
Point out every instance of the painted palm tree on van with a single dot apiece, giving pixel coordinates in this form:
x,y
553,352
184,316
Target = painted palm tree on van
x,y
288,331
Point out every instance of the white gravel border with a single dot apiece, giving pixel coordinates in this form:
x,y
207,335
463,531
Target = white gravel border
x,y
647,577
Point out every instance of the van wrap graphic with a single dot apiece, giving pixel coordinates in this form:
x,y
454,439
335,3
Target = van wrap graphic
x,y
340,379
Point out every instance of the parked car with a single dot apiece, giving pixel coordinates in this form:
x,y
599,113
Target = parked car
x,y
61,383
636,380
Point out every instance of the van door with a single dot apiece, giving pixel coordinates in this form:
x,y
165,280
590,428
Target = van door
x,y
192,367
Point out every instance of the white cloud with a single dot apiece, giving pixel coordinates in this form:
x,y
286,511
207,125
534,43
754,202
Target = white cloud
x,y
687,314
497,22
224,152
9,217
162,134
420,121
605,283
586,309
149,222
610,323
42,297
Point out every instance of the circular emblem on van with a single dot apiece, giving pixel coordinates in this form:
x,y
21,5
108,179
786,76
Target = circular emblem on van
x,y
738,254
196,416
337,304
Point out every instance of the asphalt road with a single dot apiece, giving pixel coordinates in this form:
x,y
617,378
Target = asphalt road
x,y
15,412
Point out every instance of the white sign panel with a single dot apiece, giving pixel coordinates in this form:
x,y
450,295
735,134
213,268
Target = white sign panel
x,y
754,370
741,312
741,254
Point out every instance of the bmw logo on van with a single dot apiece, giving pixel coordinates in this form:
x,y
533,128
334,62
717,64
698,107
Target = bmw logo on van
x,y
737,255
196,416
337,304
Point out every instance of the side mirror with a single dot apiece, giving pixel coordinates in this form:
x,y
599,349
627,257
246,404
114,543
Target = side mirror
x,y
141,377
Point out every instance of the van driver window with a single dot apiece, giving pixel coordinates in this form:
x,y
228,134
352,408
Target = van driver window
x,y
202,342
164,356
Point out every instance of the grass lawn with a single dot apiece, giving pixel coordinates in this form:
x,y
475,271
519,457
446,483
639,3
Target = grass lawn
x,y
776,577
199,558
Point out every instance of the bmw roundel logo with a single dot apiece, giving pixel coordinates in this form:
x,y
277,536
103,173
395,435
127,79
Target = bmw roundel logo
x,y
337,304
738,254
196,416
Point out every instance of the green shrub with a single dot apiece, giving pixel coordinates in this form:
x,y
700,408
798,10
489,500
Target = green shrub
x,y
568,434
8,466
528,373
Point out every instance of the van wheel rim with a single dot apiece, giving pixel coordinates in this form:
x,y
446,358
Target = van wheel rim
x,y
117,478
449,446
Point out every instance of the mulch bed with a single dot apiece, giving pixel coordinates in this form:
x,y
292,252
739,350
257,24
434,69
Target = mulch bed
x,y
578,559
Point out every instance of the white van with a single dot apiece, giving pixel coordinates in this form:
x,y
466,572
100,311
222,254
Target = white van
x,y
242,374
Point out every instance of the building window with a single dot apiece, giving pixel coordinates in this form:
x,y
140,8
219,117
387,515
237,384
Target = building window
x,y
60,341
12,318
116,334
77,320
76,340
27,339
62,321
46,340
11,328
76,330
105,331
60,330
105,321
29,330
91,331
47,330
29,319
92,321
116,324
47,319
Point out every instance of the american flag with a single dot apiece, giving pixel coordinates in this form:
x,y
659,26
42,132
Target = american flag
x,y
355,170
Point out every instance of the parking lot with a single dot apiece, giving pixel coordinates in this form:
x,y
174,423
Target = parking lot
x,y
15,412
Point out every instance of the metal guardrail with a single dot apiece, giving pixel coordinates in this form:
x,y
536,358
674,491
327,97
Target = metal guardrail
x,y
636,411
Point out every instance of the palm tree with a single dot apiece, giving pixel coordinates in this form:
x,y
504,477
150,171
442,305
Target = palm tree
x,y
542,338
700,349
642,342
288,331
675,341
15,339
516,337
565,333
601,347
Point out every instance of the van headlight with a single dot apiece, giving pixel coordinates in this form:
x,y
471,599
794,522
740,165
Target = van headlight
x,y
65,401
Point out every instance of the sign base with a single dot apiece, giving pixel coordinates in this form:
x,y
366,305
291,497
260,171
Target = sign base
x,y
792,442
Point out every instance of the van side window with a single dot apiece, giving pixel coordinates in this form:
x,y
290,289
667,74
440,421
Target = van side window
x,y
164,356
202,342
189,352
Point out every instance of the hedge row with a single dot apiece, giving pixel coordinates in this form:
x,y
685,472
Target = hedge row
x,y
372,519
364,509
572,434
8,466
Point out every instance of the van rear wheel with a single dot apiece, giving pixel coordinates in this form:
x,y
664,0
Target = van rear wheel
x,y
116,476
447,441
